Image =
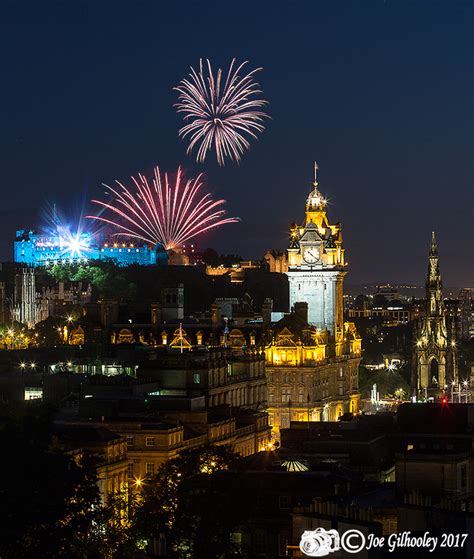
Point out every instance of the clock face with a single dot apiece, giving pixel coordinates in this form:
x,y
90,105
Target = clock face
x,y
311,255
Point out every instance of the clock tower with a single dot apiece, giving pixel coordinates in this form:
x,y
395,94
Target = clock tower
x,y
316,265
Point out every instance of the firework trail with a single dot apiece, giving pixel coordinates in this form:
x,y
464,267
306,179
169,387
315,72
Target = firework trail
x,y
169,212
220,114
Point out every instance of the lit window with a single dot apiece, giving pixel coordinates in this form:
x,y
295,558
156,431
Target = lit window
x,y
150,469
197,378
150,441
130,469
129,441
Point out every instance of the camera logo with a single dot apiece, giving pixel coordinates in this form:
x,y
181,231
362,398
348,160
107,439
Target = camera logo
x,y
321,542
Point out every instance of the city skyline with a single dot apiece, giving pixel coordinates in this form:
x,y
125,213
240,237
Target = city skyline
x,y
103,109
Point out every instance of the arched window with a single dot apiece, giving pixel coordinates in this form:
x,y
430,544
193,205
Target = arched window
x,y
434,372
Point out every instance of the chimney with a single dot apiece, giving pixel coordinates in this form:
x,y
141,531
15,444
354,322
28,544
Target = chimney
x,y
155,314
267,309
301,310
216,315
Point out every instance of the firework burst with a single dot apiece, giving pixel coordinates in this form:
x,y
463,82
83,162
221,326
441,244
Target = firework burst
x,y
220,114
167,211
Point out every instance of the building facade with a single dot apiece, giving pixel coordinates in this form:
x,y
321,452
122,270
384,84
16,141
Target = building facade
x,y
27,307
306,380
312,354
435,359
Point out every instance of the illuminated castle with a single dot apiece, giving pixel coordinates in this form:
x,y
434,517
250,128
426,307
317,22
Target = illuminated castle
x,y
313,355
44,250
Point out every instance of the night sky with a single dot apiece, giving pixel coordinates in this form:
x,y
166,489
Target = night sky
x,y
379,92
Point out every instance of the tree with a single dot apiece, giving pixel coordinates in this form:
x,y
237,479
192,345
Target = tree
x,y
389,383
180,504
210,257
108,279
48,498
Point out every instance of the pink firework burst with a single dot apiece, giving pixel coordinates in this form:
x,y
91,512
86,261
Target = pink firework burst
x,y
220,114
167,211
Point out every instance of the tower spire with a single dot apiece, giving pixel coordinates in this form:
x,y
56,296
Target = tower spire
x,y
315,174
434,245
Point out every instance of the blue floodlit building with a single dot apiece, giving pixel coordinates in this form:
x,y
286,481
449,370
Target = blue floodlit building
x,y
36,249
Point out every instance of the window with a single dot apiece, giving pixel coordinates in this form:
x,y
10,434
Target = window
x,y
150,441
130,469
150,469
285,394
463,479
260,542
197,378
130,441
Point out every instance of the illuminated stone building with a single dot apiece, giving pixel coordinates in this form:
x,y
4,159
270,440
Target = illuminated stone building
x,y
108,449
153,441
182,396
27,307
41,249
316,266
312,354
306,380
435,362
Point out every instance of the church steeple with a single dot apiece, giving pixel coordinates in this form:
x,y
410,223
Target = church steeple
x,y
435,353
434,245
434,277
